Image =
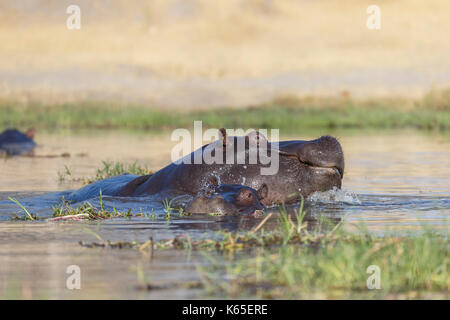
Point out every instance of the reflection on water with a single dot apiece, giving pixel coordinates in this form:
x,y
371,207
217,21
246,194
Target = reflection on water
x,y
392,183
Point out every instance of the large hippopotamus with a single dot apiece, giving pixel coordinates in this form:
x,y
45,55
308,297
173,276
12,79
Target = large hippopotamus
x,y
14,142
303,168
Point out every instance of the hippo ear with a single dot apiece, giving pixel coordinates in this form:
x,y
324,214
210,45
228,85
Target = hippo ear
x,y
263,191
223,136
30,133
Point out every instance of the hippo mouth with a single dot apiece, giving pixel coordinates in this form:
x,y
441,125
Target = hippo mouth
x,y
331,171
327,170
334,169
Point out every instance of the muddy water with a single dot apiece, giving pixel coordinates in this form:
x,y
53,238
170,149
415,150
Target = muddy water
x,y
394,182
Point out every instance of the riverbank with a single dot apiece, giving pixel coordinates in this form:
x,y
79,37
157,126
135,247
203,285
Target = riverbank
x,y
288,113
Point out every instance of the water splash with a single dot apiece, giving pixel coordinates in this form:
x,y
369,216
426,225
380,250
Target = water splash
x,y
334,195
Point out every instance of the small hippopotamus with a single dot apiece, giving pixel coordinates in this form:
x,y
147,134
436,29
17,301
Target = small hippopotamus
x,y
14,143
228,199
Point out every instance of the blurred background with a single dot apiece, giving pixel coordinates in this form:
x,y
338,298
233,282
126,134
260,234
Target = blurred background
x,y
202,53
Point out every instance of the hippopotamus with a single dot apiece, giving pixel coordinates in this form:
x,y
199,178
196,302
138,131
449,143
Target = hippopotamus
x,y
304,167
13,142
227,199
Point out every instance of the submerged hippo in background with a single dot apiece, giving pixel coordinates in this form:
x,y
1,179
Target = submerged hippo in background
x,y
14,142
304,167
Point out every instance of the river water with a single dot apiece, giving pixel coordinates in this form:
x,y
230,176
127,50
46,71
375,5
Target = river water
x,y
394,182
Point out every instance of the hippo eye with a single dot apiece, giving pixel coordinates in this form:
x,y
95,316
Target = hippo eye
x,y
245,196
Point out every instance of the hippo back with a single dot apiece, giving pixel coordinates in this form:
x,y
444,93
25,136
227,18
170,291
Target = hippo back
x,y
107,187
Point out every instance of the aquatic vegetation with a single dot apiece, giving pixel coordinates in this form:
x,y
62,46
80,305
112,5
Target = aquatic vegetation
x,y
336,267
291,262
67,175
290,230
65,211
28,216
109,169
86,211
167,209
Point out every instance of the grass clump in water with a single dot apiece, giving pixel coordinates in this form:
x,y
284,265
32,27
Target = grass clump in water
x,y
87,211
27,217
109,169
112,169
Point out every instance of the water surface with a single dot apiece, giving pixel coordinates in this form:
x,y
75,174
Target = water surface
x,y
394,182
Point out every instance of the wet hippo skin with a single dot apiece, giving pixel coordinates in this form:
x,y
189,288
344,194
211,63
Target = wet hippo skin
x,y
303,168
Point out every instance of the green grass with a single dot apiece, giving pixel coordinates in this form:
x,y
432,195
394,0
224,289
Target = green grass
x,y
86,211
291,262
287,113
28,215
109,169
336,268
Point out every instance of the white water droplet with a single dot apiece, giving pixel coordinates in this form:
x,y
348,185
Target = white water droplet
x,y
334,195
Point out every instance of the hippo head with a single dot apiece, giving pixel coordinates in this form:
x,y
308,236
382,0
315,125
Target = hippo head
x,y
303,166
227,199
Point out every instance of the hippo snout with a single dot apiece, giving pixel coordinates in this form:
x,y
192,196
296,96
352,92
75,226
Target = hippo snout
x,y
324,152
